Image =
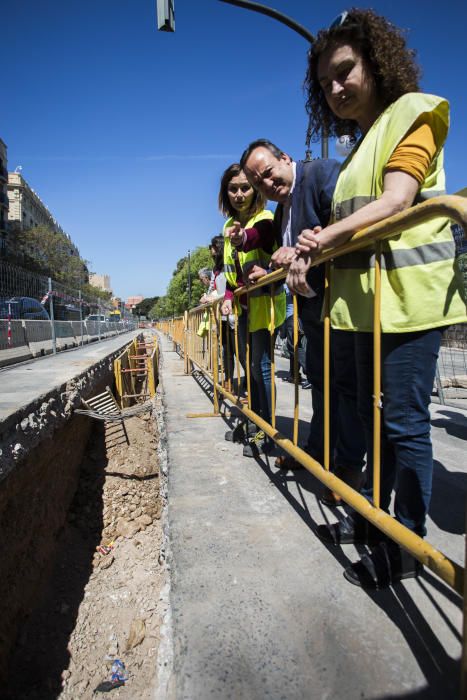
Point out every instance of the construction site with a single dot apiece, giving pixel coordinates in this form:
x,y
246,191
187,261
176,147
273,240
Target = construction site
x,y
133,533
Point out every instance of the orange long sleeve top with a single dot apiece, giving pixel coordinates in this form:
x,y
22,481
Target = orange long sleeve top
x,y
416,151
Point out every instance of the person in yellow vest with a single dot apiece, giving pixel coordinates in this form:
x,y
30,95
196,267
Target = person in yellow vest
x,y
362,80
244,208
203,329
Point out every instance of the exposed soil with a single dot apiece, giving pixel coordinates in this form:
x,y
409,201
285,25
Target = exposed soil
x,y
101,604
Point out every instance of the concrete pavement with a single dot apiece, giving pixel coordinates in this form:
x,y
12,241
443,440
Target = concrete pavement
x,y
260,607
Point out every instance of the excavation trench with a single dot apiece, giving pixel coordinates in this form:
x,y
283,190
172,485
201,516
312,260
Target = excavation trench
x,y
83,579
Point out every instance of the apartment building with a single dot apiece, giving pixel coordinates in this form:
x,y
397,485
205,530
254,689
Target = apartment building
x,y
26,209
3,198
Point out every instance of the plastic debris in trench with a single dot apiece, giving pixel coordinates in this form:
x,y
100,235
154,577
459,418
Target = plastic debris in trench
x,y
117,679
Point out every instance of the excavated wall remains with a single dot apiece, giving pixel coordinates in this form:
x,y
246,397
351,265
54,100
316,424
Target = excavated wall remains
x,y
41,448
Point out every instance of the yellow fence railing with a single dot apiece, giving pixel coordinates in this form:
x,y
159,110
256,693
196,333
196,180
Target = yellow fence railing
x,y
204,351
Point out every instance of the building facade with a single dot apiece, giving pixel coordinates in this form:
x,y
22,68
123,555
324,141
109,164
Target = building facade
x,y
131,302
26,209
3,198
100,281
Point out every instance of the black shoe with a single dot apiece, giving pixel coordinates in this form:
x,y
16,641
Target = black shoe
x,y
306,384
387,564
353,529
258,444
237,434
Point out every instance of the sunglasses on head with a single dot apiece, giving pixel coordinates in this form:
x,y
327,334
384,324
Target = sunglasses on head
x,y
339,21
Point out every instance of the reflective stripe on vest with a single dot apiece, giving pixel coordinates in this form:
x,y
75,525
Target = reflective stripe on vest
x,y
394,259
419,290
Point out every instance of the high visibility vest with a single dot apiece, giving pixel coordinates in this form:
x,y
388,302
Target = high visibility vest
x,y
259,316
203,328
418,284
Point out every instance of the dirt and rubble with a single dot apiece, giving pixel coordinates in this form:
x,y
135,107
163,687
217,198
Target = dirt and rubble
x,y
108,593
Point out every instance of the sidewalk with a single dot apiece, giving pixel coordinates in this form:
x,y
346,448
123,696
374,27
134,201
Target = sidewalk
x,y
260,606
22,384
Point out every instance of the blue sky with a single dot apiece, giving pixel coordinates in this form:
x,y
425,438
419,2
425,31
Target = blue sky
x,y
124,131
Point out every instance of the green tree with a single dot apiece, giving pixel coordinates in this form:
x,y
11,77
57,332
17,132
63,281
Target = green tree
x,y
144,307
175,301
90,292
51,253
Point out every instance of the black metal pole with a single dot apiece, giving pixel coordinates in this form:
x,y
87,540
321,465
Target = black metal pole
x,y
189,280
275,14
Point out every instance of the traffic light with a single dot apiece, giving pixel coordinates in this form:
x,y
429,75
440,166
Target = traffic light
x,y
166,15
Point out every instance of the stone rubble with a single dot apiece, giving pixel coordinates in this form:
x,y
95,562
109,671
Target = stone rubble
x,y
116,513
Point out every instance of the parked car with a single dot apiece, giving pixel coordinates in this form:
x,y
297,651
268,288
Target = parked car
x,y
66,312
96,317
23,308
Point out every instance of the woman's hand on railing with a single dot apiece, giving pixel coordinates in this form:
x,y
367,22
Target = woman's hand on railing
x,y
283,257
255,274
226,308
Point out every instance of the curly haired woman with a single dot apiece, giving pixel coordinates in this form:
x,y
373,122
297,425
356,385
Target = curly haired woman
x,y
362,80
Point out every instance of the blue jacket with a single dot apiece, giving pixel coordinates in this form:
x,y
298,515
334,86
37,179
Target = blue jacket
x,y
311,206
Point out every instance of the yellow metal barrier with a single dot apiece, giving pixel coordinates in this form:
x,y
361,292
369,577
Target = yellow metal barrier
x,y
204,352
136,370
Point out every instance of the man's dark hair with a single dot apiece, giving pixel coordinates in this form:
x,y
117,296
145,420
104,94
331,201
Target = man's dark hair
x,y
264,143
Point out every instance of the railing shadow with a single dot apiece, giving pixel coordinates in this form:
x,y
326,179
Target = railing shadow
x,y
438,667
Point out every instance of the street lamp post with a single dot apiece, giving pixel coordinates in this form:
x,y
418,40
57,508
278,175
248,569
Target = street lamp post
x,y
189,280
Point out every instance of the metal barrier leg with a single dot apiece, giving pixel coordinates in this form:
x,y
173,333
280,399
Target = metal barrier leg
x,y
295,370
463,683
215,369
439,386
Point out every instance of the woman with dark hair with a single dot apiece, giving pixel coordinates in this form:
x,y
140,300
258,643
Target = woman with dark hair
x,y
244,207
362,80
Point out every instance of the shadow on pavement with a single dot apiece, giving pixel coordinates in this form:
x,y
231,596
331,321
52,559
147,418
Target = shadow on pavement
x,y
441,671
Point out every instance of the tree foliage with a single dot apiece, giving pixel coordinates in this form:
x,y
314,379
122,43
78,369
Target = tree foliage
x,y
51,253
175,301
144,307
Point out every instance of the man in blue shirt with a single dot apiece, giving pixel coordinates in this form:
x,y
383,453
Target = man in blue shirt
x,y
304,191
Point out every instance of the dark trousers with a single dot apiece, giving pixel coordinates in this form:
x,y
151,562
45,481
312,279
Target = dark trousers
x,y
260,366
347,439
241,332
228,346
408,366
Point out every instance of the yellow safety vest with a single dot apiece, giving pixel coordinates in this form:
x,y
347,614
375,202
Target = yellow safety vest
x,y
260,299
418,284
203,328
